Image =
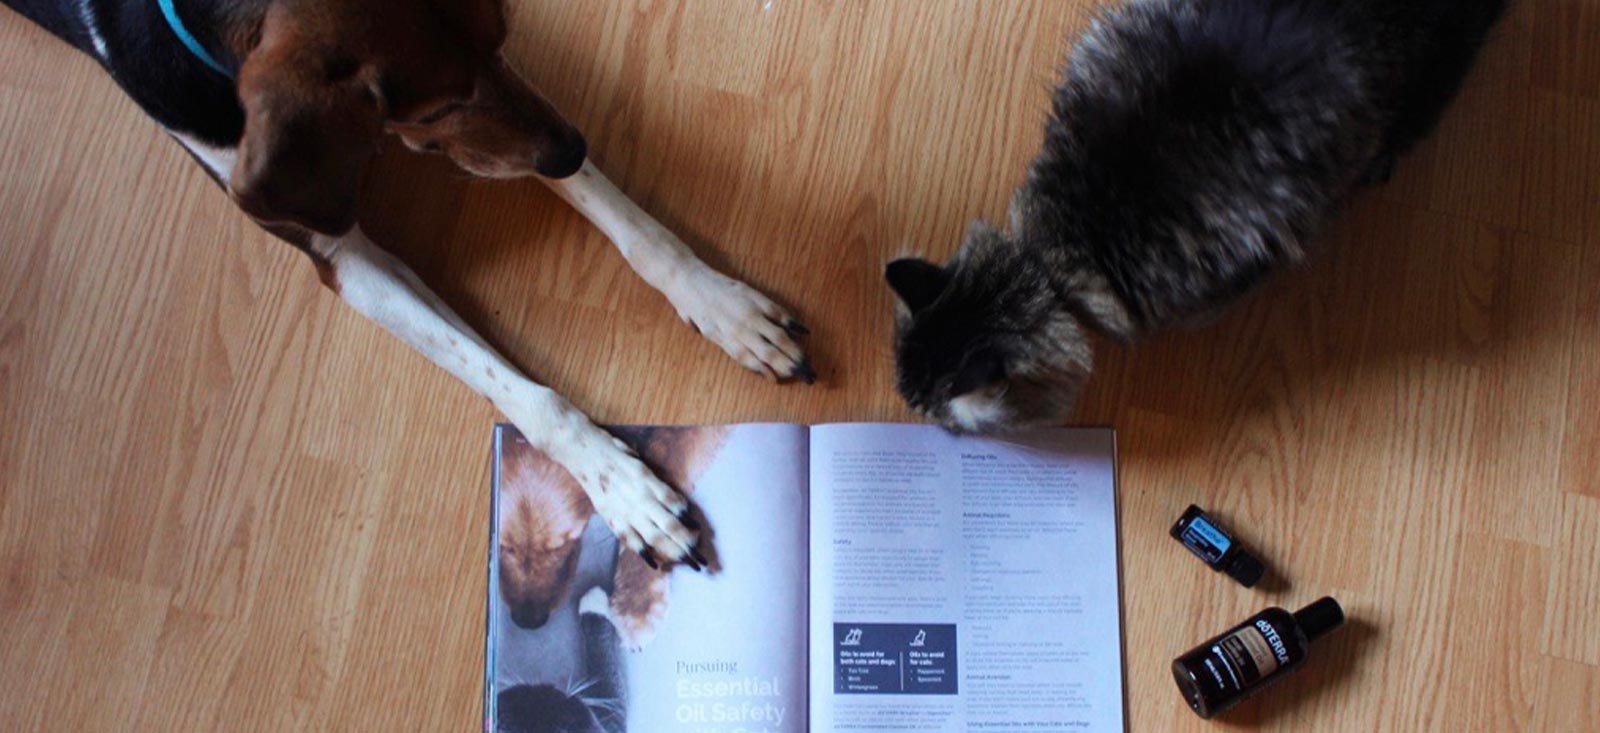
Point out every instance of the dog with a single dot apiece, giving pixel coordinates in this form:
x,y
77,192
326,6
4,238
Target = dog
x,y
284,102
542,518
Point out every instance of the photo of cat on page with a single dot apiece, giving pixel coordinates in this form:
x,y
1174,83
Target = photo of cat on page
x,y
576,619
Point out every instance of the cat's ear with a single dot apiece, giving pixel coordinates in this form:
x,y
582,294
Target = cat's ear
x,y
917,282
982,370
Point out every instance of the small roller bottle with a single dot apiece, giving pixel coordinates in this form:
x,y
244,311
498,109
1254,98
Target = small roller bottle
x,y
1213,545
1228,669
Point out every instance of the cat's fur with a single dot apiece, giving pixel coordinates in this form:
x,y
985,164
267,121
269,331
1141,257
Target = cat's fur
x,y
597,705
1195,146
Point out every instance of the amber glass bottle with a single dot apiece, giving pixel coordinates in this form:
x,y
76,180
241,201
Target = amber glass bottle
x,y
1228,669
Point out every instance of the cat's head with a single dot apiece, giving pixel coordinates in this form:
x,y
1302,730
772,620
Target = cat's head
x,y
984,343
543,709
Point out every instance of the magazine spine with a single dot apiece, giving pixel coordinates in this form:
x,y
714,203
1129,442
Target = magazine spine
x,y
493,580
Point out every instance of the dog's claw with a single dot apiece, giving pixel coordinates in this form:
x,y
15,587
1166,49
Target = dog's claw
x,y
805,373
694,553
649,559
797,328
691,563
688,522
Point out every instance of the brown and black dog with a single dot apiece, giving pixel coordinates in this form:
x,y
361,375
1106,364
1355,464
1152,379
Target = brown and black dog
x,y
542,516
284,103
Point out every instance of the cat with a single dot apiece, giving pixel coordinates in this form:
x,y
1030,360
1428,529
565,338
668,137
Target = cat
x,y
599,705
1194,148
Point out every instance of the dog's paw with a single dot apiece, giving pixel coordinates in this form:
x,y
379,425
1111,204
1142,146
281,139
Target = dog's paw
x,y
756,332
645,514
649,517
638,602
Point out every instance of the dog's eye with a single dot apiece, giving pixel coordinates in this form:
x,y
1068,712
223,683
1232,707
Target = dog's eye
x,y
439,113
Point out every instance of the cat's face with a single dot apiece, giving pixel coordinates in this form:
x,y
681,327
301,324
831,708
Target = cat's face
x,y
543,709
983,344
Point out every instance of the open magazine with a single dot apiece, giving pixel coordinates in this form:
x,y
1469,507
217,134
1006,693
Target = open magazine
x,y
865,577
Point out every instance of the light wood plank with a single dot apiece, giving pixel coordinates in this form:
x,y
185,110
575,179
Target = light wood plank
x,y
227,502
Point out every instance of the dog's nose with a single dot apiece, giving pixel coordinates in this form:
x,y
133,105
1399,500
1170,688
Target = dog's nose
x,y
529,618
563,156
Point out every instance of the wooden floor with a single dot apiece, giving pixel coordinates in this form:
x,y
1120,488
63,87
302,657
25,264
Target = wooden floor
x,y
229,503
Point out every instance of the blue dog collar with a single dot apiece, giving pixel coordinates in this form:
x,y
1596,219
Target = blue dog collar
x,y
188,39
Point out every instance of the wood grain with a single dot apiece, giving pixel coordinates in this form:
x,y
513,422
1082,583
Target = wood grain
x,y
229,503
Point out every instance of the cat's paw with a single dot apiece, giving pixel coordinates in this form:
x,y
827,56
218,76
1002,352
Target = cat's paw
x,y
596,602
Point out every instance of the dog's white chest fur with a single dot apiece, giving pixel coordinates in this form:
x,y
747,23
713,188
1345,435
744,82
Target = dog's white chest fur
x,y
219,161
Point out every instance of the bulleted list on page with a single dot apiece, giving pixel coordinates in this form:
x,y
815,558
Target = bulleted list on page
x,y
963,584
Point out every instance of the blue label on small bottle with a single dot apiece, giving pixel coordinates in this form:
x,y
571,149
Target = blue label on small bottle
x,y
1206,540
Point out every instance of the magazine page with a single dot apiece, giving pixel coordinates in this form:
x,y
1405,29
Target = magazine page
x,y
963,583
586,639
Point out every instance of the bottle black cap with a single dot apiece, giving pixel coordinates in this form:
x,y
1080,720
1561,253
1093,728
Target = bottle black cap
x,y
1183,521
1319,618
1245,568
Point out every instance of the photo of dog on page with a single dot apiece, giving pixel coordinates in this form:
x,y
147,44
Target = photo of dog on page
x,y
586,636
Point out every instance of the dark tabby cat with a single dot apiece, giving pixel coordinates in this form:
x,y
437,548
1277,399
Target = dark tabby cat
x,y
1195,147
597,704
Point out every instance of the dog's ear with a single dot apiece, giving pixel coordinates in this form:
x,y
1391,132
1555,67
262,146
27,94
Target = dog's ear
x,y
917,282
313,116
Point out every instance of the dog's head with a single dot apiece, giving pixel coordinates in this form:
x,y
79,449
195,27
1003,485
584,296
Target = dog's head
x,y
543,512
321,80
984,343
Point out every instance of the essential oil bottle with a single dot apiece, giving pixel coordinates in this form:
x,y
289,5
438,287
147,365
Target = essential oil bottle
x,y
1228,669
1214,546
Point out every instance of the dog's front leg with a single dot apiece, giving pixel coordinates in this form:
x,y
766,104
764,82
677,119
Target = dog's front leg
x,y
641,509
752,329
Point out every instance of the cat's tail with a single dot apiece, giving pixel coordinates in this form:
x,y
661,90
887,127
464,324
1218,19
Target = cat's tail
x,y
1480,15
1464,25
1457,30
